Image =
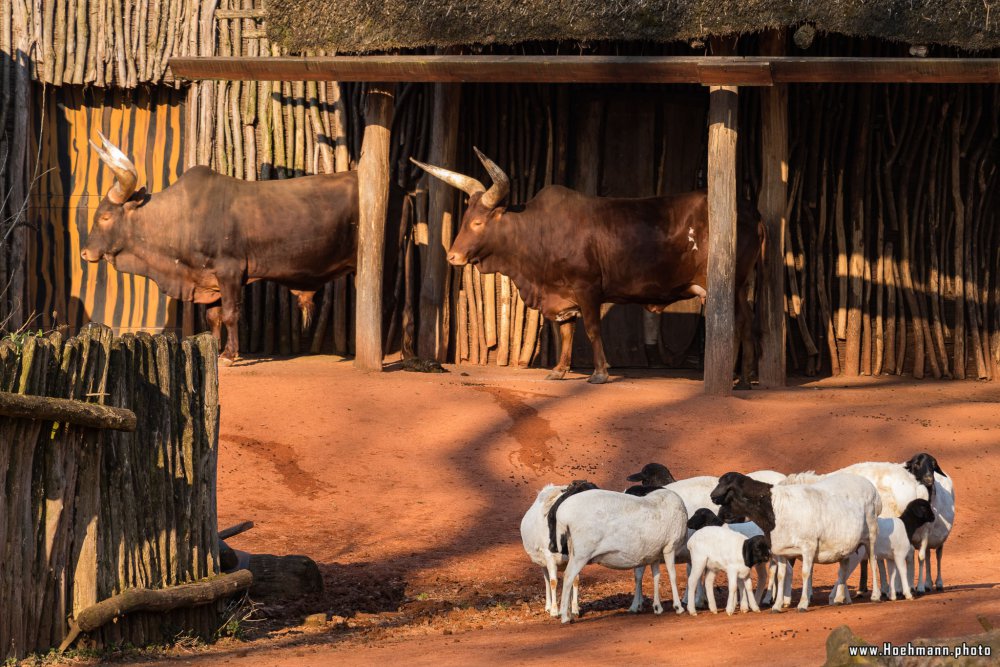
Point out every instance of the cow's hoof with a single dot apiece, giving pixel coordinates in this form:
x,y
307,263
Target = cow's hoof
x,y
555,374
226,361
598,378
775,610
742,386
802,610
939,587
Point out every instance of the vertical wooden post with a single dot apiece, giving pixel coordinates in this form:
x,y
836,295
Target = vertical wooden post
x,y
773,195
719,308
373,200
432,339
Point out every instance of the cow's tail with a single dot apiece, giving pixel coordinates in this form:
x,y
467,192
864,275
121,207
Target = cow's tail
x,y
757,330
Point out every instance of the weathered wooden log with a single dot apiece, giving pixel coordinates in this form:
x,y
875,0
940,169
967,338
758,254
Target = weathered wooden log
x,y
65,410
773,199
719,308
233,531
373,177
157,599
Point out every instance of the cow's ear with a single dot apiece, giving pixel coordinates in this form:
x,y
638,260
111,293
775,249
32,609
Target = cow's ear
x,y
136,200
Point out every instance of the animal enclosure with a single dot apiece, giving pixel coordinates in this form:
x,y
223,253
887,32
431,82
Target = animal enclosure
x,y
88,514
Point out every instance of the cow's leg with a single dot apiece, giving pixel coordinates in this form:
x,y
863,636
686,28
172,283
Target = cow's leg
x,y
566,330
306,307
591,311
744,336
213,315
232,296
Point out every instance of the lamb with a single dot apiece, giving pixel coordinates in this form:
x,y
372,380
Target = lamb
x,y
622,531
715,548
893,544
535,538
822,522
705,517
935,535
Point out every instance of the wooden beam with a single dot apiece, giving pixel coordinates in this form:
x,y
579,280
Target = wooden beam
x,y
773,196
64,410
432,340
194,594
709,70
719,306
373,200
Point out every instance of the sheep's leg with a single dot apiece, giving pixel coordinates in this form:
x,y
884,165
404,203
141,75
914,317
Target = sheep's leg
x,y
549,601
881,573
789,565
920,561
899,564
840,586
772,576
576,596
891,566
779,589
939,582
710,590
573,568
870,547
657,605
807,565
695,572
637,597
669,561
731,599
750,598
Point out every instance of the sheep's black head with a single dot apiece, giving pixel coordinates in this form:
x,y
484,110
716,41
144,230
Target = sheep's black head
x,y
920,510
641,490
923,466
726,515
653,474
731,484
742,496
703,517
756,550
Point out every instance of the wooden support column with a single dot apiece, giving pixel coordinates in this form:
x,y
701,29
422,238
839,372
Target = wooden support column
x,y
719,308
373,201
432,339
773,196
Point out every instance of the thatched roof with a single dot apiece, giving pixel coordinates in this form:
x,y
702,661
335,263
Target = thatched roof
x,y
377,25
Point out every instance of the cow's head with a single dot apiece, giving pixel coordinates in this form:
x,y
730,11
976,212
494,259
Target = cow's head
x,y
107,236
482,213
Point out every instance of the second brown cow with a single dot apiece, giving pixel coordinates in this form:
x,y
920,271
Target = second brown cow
x,y
568,253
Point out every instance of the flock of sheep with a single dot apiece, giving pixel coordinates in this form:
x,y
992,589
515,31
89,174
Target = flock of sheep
x,y
735,523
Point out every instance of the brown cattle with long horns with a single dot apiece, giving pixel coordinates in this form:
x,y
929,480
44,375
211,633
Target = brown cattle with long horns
x,y
207,235
568,253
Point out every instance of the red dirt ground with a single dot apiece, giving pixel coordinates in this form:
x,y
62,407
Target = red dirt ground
x,y
408,490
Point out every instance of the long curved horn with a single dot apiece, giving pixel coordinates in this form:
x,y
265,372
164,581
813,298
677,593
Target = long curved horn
x,y
501,184
466,184
126,176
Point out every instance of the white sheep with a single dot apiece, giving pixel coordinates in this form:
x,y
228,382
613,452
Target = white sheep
x,y
935,535
898,485
821,522
705,517
893,548
535,538
622,531
716,548
696,494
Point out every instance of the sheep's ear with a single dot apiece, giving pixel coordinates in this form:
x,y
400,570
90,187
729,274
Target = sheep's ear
x,y
937,468
747,553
